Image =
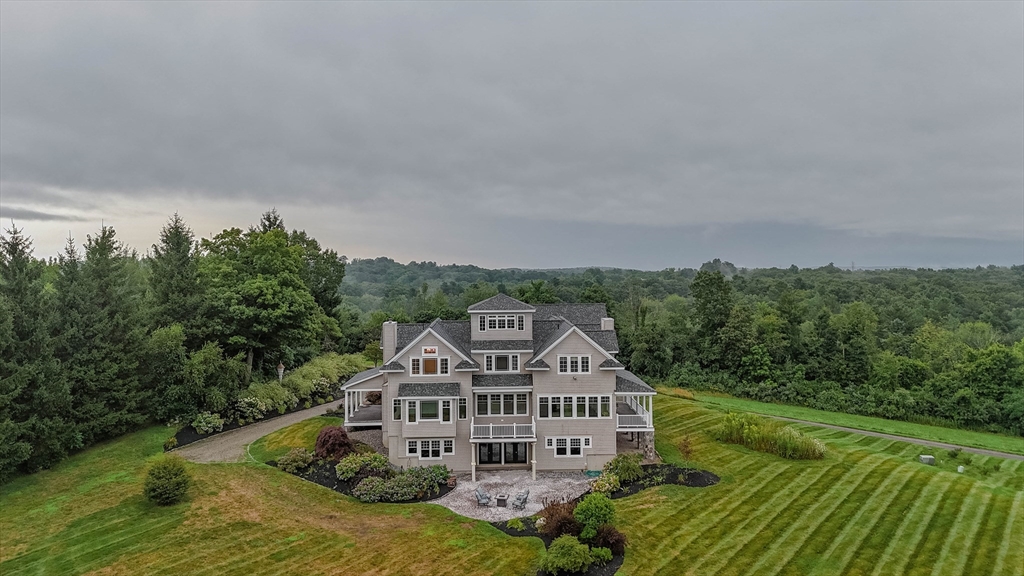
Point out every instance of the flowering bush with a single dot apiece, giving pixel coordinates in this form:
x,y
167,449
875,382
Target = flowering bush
x,y
606,483
250,408
370,489
206,423
408,485
366,464
626,467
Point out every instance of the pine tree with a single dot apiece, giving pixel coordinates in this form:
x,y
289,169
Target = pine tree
x,y
174,283
34,398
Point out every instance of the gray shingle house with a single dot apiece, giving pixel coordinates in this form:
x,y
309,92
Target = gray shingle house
x,y
515,386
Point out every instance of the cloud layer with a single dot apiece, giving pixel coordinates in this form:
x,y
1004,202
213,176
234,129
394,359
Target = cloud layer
x,y
850,125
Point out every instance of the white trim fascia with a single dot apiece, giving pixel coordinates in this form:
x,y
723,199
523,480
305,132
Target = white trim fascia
x,y
485,389
566,335
367,379
616,368
467,369
537,369
636,394
502,311
420,337
500,351
427,398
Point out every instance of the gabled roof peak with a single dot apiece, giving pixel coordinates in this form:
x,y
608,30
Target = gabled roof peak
x,y
501,303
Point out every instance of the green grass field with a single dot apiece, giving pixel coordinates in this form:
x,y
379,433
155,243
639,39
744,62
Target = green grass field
x,y
300,435
999,442
868,508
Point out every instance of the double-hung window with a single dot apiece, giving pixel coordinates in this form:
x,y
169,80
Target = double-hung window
x,y
501,363
567,446
574,364
507,404
502,322
431,449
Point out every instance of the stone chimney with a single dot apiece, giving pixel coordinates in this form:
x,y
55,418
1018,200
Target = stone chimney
x,y
607,323
389,338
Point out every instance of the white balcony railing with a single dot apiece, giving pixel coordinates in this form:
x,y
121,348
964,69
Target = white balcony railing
x,y
503,430
633,421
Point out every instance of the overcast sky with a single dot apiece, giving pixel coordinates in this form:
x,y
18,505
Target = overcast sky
x,y
527,135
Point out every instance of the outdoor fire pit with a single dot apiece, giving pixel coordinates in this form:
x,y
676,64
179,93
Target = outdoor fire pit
x,y
502,500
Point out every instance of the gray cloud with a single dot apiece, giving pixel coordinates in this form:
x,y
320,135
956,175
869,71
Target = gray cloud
x,y
20,214
858,125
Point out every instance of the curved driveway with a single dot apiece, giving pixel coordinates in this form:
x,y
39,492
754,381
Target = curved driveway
x,y
230,446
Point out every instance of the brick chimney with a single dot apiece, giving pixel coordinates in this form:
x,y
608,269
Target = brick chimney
x,y
607,323
389,338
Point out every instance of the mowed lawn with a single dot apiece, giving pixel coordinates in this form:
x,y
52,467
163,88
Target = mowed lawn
x,y
998,442
88,515
869,508
299,435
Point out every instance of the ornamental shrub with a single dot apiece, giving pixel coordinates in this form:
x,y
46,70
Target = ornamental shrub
x,y
207,423
370,489
170,444
333,443
596,509
296,460
167,481
606,483
626,467
566,554
273,396
250,408
411,484
600,555
609,537
363,465
516,524
558,520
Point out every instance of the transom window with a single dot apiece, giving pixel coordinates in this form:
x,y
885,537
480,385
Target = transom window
x,y
502,404
574,364
502,322
430,449
501,363
426,366
567,446
574,407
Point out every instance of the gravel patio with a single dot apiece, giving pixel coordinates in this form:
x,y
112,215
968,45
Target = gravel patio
x,y
547,486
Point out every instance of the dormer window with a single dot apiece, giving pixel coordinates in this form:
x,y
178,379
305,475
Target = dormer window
x,y
502,322
426,366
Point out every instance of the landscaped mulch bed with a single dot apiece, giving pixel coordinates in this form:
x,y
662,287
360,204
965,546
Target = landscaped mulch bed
x,y
322,472
654,475
189,434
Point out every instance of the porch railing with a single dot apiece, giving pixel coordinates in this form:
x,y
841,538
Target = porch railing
x,y
503,430
633,421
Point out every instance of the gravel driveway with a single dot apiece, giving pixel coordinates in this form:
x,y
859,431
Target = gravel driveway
x,y
230,446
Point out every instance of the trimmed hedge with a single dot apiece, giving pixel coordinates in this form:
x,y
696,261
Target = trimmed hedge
x,y
167,481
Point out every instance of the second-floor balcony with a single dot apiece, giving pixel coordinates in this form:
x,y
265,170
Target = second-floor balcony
x,y
503,431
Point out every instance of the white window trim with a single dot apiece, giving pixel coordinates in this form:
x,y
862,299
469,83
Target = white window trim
x,y
415,445
445,441
513,360
575,403
440,448
501,395
568,363
418,362
397,402
551,443
511,321
462,403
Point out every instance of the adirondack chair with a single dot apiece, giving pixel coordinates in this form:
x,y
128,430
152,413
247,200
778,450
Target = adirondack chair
x,y
482,498
520,500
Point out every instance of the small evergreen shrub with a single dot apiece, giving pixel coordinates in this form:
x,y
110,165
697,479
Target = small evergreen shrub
x,y
606,483
626,467
296,460
767,435
595,510
370,489
609,537
333,443
170,444
558,520
566,555
600,555
167,481
363,465
516,524
207,423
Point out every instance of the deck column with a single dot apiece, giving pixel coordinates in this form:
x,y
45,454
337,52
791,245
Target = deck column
x,y
533,460
472,463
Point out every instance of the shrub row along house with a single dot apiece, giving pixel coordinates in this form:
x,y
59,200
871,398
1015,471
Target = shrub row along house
x,y
515,386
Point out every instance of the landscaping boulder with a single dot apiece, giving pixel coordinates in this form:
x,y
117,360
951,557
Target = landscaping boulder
x,y
925,459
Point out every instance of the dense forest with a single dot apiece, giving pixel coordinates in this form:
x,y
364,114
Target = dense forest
x,y
102,340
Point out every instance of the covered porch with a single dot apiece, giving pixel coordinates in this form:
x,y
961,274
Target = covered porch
x,y
634,412
360,411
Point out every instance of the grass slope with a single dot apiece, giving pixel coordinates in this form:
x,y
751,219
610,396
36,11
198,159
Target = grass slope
x,y
868,508
999,442
87,514
299,435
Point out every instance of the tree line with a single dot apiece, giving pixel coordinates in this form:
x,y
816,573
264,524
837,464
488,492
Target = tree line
x,y
101,340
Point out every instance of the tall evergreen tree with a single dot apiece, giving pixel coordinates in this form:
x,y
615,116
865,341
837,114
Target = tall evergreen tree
x,y
174,283
34,398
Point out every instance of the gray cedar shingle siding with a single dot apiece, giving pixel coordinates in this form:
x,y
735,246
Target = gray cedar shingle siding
x,y
498,303
626,381
501,345
426,389
502,380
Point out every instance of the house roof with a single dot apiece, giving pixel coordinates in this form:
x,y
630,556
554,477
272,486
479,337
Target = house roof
x,y
538,364
609,363
423,389
626,381
467,365
392,367
502,380
501,345
501,303
586,316
362,377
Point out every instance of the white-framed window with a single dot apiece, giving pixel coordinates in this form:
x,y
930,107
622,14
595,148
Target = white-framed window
x,y
501,363
446,410
396,409
462,409
574,364
507,404
429,366
430,449
567,446
503,322
410,412
574,407
426,411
